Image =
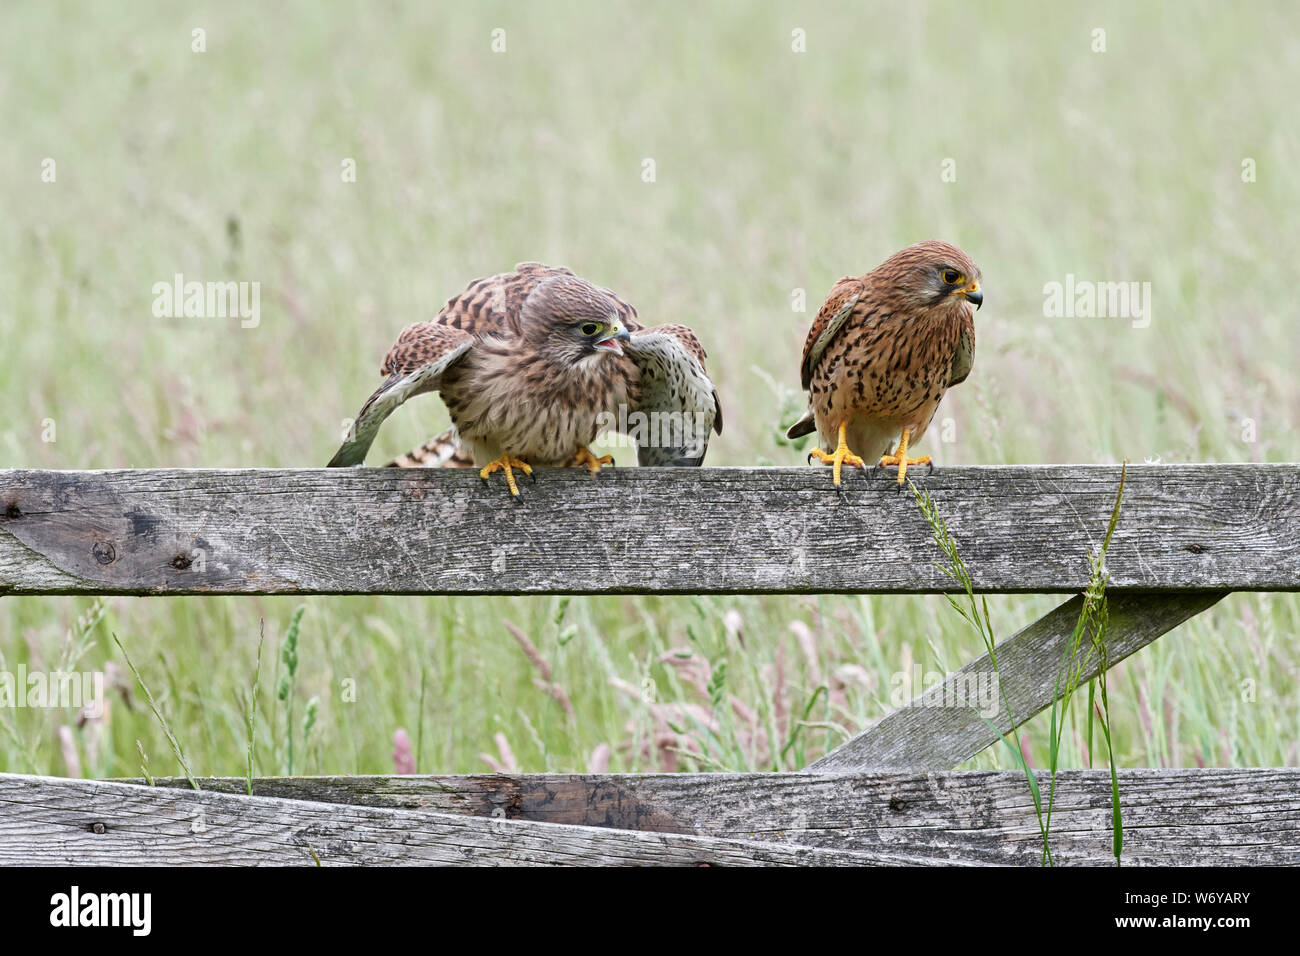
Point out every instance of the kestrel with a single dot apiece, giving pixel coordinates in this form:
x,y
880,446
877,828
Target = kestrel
x,y
534,364
883,350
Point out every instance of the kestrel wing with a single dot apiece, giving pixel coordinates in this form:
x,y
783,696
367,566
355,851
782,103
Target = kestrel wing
x,y
679,404
494,305
964,357
830,320
415,365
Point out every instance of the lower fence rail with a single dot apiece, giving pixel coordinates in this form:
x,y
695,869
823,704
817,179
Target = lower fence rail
x,y
1170,817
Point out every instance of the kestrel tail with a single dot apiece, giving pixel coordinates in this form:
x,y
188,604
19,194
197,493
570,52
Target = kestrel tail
x,y
533,365
440,451
882,352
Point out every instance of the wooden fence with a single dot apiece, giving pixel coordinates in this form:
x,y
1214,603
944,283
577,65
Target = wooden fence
x,y
1188,535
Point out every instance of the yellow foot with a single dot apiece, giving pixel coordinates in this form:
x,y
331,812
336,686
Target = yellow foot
x,y
506,463
584,457
900,459
842,456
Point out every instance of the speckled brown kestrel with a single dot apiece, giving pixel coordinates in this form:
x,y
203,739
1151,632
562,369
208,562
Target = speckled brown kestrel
x,y
534,364
883,350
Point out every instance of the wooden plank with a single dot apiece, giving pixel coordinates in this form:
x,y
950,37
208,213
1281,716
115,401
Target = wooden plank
x,y
949,723
1171,817
53,821
638,530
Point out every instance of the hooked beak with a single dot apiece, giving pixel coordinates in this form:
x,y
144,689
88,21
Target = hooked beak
x,y
609,341
973,294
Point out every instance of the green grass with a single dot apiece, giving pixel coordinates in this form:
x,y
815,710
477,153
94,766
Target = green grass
x,y
776,171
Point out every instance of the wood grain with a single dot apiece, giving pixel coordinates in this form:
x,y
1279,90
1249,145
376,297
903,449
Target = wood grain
x,y
1171,817
54,822
640,530
949,724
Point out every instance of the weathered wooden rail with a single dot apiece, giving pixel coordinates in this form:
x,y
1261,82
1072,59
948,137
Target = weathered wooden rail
x,y
1188,535
706,530
1171,818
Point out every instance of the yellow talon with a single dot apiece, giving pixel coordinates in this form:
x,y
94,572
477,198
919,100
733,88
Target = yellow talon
x,y
592,463
900,458
506,462
841,456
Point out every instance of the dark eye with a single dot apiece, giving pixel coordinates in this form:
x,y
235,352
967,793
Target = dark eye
x,y
590,328
951,276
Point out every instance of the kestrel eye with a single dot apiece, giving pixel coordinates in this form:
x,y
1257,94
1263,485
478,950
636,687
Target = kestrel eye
x,y
590,328
951,276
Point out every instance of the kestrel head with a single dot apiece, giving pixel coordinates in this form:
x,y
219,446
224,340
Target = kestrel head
x,y
570,321
928,275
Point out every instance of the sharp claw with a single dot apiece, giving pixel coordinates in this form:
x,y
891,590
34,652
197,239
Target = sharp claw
x,y
808,460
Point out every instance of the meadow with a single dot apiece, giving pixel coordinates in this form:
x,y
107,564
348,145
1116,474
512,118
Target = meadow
x,y
788,145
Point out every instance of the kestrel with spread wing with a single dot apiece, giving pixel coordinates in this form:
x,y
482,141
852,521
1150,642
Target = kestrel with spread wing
x,y
534,364
882,352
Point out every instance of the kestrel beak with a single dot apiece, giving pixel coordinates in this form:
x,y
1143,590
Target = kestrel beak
x,y
973,294
609,341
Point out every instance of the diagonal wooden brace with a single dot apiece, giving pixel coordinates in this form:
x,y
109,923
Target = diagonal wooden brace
x,y
927,734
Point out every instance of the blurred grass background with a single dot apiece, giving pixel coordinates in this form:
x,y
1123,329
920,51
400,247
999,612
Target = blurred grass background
x,y
774,171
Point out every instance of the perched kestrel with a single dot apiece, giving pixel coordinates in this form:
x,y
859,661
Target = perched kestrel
x,y
883,350
534,364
